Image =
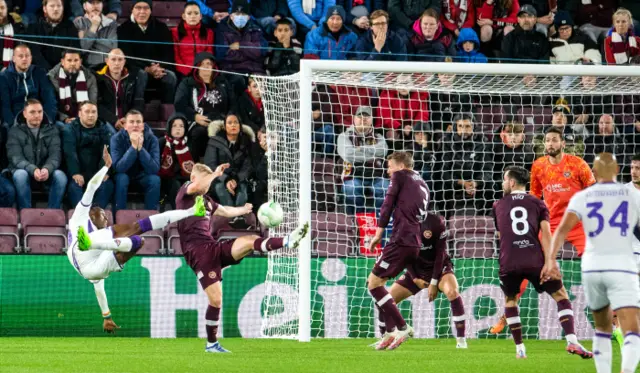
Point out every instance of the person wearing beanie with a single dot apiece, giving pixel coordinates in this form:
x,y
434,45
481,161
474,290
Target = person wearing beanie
x,y
98,33
331,41
569,44
176,161
190,37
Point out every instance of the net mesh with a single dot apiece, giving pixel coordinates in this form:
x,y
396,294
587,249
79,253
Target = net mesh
x,y
462,130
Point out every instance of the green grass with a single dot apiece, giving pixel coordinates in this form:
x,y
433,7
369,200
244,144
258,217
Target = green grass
x,y
254,355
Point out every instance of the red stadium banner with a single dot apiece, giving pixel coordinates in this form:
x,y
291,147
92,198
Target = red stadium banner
x,y
367,224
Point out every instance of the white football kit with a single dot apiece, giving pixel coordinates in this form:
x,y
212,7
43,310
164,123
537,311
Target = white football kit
x,y
636,241
609,213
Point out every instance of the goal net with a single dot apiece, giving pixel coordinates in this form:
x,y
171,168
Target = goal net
x,y
329,131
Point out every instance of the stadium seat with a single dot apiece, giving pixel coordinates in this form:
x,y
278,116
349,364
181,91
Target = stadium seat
x,y
9,231
169,12
153,240
333,234
45,230
107,212
173,240
323,191
473,236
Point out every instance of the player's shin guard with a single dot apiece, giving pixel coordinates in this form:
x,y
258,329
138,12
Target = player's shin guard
x,y
513,320
124,244
212,320
265,245
565,315
630,352
457,311
385,301
602,351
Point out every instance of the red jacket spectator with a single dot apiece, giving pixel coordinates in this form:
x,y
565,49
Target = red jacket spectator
x,y
350,98
187,42
503,13
620,48
398,109
457,14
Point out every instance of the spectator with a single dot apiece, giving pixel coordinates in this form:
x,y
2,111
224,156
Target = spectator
x,y
332,40
424,149
594,16
204,97
380,43
22,81
607,139
113,10
149,39
573,135
7,191
121,90
83,142
213,11
231,143
363,153
359,12
401,109
284,53
268,12
429,41
569,45
324,107
74,83
496,18
259,178
587,108
98,33
190,37
54,33
469,47
446,102
545,12
8,29
136,160
250,110
621,43
405,13
35,153
176,161
509,148
350,95
457,14
525,44
309,15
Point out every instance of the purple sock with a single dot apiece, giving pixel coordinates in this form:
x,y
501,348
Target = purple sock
x,y
212,319
384,300
457,311
145,225
565,315
513,319
136,243
265,245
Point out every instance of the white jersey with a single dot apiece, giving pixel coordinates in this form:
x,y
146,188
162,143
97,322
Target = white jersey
x,y
609,213
636,241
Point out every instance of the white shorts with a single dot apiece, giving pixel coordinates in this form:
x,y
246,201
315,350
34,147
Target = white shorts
x,y
619,289
95,264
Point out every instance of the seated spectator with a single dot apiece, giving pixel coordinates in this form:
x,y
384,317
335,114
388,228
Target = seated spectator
x,y
469,47
401,108
75,84
35,154
496,19
204,97
363,153
405,13
607,139
285,52
359,13
457,14
621,43
525,44
176,161
136,161
569,45
573,135
268,12
53,32
332,40
588,108
545,12
250,110
190,37
380,43
259,179
113,10
8,29
594,16
120,90
22,81
148,39
509,148
324,107
429,40
424,150
98,33
83,142
309,16
230,142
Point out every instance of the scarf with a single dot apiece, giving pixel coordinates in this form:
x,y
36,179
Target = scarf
x,y
257,103
461,5
182,153
622,50
68,105
308,6
7,52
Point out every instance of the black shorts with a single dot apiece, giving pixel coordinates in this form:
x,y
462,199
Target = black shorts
x,y
510,282
208,260
424,271
394,259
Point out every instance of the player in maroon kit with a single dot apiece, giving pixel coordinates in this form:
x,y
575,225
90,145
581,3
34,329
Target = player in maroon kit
x,y
207,256
521,218
408,199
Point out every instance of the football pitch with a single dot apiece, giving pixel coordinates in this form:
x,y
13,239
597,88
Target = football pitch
x,y
115,354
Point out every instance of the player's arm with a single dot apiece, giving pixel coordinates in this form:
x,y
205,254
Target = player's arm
x,y
441,247
232,212
550,269
205,182
536,186
108,324
386,209
95,182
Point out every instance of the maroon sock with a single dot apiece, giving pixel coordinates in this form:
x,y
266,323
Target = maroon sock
x,y
457,311
513,319
265,245
212,319
383,323
565,315
384,300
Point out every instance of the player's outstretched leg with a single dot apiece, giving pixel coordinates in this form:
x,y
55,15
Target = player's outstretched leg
x,y
565,317
124,244
292,241
513,320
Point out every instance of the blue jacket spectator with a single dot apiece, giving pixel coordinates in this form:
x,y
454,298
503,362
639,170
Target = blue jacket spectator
x,y
22,81
310,18
331,41
469,47
388,46
429,40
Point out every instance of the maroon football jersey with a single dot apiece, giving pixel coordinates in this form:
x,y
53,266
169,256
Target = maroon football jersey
x,y
194,230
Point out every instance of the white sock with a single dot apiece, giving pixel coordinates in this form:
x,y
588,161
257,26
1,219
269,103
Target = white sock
x,y
602,351
123,244
630,352
159,221
571,338
520,347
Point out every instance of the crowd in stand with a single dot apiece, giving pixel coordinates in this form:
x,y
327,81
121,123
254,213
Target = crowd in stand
x,y
77,77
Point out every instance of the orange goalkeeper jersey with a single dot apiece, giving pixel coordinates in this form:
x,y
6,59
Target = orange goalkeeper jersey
x,y
558,183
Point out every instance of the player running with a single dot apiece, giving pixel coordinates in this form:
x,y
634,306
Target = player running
x,y
521,218
207,256
408,199
86,251
433,270
609,212
556,177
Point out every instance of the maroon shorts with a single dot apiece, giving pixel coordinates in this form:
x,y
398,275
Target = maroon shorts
x,y
423,270
394,259
208,260
510,282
